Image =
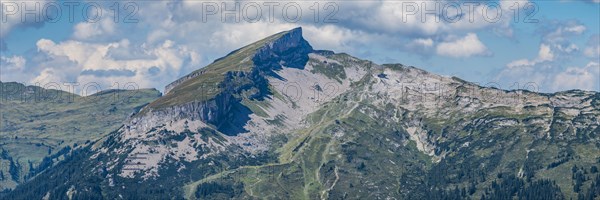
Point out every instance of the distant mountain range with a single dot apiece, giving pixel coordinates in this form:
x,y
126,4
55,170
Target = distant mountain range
x,y
277,119
38,126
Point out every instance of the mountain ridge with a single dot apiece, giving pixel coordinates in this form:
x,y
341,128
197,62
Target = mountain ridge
x,y
299,123
294,34
38,126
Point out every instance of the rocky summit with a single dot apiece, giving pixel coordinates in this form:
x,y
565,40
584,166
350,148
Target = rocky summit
x,y
277,119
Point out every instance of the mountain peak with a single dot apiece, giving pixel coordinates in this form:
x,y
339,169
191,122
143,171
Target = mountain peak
x,y
288,48
292,33
263,57
296,30
320,131
288,39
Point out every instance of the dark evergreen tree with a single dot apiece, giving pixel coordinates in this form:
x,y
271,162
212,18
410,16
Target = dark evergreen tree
x,y
541,190
512,187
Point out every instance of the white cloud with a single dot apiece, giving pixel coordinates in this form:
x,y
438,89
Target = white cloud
x,y
14,19
517,77
422,46
468,46
563,30
154,69
233,36
577,29
11,65
557,34
175,40
89,30
184,26
48,75
555,44
569,48
585,78
423,42
555,51
545,54
335,38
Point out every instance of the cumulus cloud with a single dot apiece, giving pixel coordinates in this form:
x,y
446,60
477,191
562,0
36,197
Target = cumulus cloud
x,y
555,44
585,78
467,46
420,45
558,31
544,54
11,65
423,42
232,36
577,29
452,17
48,75
338,38
547,68
360,25
558,34
175,39
12,18
90,30
91,62
538,76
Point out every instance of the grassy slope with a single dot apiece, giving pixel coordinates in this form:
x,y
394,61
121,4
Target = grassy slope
x,y
205,86
374,157
32,130
315,164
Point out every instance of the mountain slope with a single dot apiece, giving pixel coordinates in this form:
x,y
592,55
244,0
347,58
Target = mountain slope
x,y
279,120
38,126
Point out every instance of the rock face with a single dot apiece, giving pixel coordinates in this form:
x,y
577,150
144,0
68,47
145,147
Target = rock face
x,y
290,50
286,121
224,111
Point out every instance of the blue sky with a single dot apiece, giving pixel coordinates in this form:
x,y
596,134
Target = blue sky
x,y
164,40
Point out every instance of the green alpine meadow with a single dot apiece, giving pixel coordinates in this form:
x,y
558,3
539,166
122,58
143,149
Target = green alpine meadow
x,y
40,127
